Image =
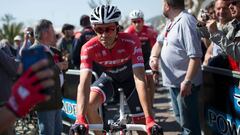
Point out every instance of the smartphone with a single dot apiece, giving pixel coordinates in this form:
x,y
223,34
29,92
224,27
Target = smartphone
x,y
31,56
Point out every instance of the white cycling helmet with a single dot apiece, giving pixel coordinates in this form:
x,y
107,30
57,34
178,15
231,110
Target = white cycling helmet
x,y
105,14
135,14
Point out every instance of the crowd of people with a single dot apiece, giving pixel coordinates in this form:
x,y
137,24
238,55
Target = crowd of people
x,y
131,58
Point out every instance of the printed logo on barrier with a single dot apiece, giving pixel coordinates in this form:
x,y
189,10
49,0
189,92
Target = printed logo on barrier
x,y
222,123
235,97
69,108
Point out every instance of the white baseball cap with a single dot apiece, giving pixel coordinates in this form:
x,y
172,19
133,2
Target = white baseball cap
x,y
17,38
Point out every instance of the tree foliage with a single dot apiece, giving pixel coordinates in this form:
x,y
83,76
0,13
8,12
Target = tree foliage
x,y
9,28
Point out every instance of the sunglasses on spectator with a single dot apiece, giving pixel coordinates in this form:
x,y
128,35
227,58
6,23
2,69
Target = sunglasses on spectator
x,y
137,21
101,30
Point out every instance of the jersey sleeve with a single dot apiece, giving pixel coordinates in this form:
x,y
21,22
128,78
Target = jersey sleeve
x,y
86,57
152,37
137,56
130,30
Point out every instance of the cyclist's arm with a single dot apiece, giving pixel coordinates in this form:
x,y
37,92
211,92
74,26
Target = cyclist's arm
x,y
83,91
139,74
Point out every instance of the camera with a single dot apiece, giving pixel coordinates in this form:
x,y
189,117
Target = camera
x,y
204,15
30,33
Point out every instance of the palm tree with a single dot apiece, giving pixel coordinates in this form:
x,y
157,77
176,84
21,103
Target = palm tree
x,y
9,28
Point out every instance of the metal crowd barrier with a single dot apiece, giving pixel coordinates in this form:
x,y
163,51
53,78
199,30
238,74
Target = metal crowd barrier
x,y
220,101
70,95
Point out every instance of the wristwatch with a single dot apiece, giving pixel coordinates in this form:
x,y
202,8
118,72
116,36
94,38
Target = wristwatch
x,y
187,82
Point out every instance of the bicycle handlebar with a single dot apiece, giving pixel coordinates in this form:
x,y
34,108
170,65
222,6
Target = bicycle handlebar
x,y
128,127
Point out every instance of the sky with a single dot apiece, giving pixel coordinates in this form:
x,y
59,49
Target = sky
x,y
69,11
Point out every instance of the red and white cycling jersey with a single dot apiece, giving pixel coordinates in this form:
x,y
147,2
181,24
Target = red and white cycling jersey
x,y
146,35
116,62
148,38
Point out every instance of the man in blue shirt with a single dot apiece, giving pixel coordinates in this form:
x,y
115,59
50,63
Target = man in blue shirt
x,y
179,51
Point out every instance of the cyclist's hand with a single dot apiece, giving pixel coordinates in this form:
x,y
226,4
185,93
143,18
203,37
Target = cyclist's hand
x,y
80,127
152,127
26,92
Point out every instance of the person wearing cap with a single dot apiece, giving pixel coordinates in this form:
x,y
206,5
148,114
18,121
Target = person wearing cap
x,y
147,36
86,34
18,41
117,58
17,45
65,44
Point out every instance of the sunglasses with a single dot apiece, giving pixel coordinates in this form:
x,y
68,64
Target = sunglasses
x,y
101,30
137,21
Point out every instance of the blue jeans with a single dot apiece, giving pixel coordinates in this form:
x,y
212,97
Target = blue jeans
x,y
186,110
50,122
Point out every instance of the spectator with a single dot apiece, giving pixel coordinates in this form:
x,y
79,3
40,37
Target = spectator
x,y
179,51
86,34
29,39
210,10
229,41
8,72
147,36
49,113
224,16
65,44
17,45
206,14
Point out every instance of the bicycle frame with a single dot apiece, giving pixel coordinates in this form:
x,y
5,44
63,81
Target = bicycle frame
x,y
121,124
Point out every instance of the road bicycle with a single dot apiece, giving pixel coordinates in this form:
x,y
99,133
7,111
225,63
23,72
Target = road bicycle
x,y
121,126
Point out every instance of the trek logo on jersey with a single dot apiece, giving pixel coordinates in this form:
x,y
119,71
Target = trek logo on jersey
x,y
121,51
137,50
143,38
114,62
129,40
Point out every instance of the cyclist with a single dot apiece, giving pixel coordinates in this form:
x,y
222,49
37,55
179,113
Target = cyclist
x,y
26,93
119,57
147,36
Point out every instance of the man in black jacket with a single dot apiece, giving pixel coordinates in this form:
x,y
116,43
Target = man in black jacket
x,y
86,34
49,112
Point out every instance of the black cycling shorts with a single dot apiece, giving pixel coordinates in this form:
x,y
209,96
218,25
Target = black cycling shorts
x,y
108,88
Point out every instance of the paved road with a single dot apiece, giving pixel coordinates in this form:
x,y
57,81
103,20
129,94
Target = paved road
x,y
163,112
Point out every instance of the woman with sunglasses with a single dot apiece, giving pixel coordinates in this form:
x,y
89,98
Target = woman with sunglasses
x,y
118,57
